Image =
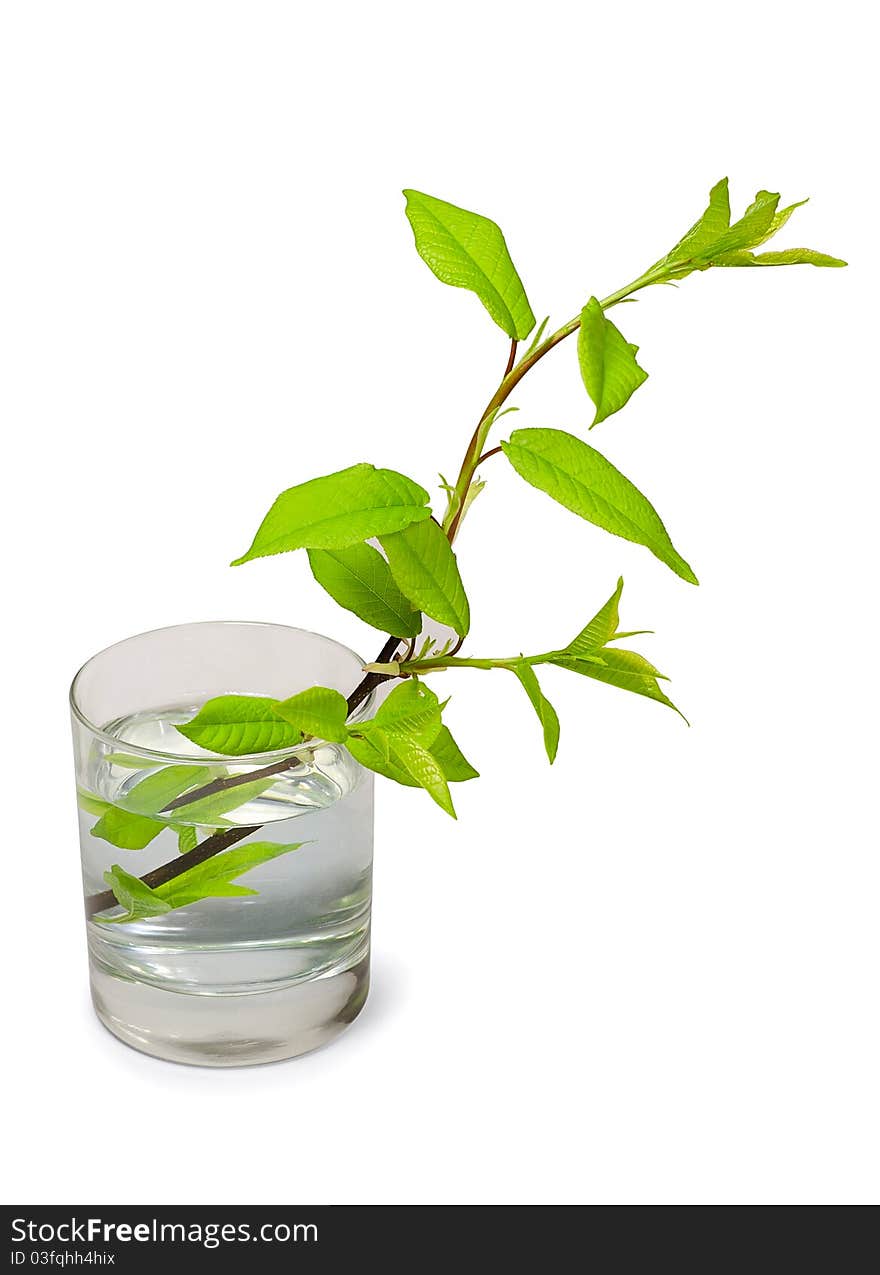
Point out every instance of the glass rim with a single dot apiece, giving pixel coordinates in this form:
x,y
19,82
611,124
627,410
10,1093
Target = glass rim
x,y
276,754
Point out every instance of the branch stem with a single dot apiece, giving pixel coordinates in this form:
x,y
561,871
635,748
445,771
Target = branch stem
x,y
512,377
475,454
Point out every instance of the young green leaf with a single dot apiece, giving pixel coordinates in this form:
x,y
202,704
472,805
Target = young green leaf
x,y
753,227
601,629
373,750
608,362
359,579
468,251
152,795
339,510
585,482
714,222
425,570
209,811
318,711
187,839
212,879
138,899
624,669
126,830
240,724
127,761
777,221
453,763
90,803
542,706
788,257
445,751
393,753
411,709
712,241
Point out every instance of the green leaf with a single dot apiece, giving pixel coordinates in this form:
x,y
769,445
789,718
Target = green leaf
x,y
412,709
624,669
359,579
127,761
126,830
542,706
209,811
90,803
138,899
468,251
714,242
777,221
212,879
608,362
394,754
601,629
453,763
788,257
318,711
753,227
708,230
426,572
339,510
446,752
582,480
152,795
373,750
240,724
187,839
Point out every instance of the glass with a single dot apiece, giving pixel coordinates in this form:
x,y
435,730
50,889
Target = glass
x,y
277,961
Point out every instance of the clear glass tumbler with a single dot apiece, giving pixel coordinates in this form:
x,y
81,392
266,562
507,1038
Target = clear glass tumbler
x,y
275,961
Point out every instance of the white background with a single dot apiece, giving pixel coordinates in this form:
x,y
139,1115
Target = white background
x,y
650,974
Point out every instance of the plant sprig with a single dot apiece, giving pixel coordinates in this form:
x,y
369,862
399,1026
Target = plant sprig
x,y
414,574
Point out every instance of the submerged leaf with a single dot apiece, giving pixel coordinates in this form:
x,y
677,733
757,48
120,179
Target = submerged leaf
x,y
212,879
138,899
187,839
126,830
210,811
152,795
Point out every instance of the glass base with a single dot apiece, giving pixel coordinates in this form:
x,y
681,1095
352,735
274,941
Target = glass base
x,y
230,1031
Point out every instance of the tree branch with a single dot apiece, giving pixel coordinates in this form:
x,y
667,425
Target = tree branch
x,y
168,871
513,374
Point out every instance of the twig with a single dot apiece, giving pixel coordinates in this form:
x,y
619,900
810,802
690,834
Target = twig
x,y
493,451
220,841
168,871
